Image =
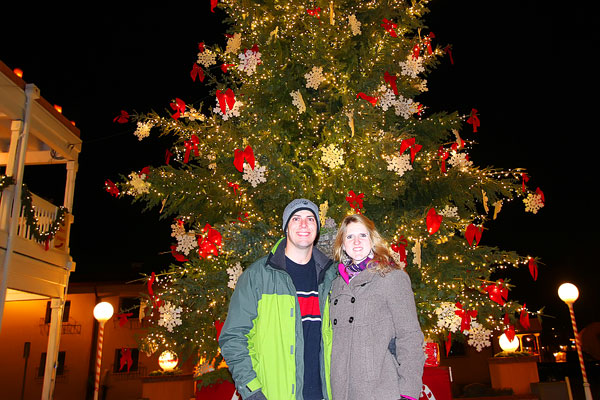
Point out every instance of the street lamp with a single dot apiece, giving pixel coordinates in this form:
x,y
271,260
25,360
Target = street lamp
x,y
102,312
569,293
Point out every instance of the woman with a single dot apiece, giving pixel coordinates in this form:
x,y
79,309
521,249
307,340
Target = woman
x,y
377,341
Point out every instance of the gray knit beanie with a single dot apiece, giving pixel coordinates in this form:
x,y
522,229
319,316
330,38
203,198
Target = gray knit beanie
x,y
297,205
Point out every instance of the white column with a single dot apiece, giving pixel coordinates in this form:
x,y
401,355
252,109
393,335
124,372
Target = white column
x,y
72,167
57,306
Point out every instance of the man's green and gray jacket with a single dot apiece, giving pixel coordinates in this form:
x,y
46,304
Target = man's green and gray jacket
x,y
262,340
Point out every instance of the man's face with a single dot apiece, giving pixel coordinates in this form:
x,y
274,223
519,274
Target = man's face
x,y
302,229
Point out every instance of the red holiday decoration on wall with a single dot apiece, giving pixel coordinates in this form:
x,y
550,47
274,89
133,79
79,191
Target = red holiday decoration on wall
x,y
123,318
474,120
240,155
473,232
433,221
125,359
355,200
410,144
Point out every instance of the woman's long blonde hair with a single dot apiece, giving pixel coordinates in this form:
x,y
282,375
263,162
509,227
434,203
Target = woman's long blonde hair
x,y
382,257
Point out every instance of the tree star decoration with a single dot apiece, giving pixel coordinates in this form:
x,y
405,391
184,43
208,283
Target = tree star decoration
x,y
332,156
234,273
399,164
170,316
533,202
233,43
256,175
412,67
207,58
449,212
298,101
229,113
143,130
314,78
446,316
137,184
249,60
354,25
460,160
479,336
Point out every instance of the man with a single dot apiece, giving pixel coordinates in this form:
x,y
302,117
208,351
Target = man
x,y
277,336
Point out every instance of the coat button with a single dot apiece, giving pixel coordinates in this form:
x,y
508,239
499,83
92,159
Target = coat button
x,y
335,302
352,300
351,319
335,321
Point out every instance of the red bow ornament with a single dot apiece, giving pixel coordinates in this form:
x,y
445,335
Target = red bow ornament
x,y
400,248
433,221
391,80
168,155
497,292
410,144
465,317
533,269
390,27
448,51
239,156
123,318
525,179
539,192
155,301
225,67
218,326
416,52
209,242
226,100
473,232
190,145
448,343
111,188
122,118
234,186
444,154
428,42
370,99
355,200
213,5
524,317
314,11
178,256
197,72
510,333
474,120
178,107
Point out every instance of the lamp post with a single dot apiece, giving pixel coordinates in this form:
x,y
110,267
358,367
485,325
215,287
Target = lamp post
x,y
102,312
569,293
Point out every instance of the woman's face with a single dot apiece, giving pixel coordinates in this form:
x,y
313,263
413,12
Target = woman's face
x,y
357,242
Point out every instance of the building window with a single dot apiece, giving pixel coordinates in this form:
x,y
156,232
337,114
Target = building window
x,y
60,368
126,360
130,305
66,312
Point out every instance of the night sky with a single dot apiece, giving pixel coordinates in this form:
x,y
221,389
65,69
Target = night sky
x,y
527,70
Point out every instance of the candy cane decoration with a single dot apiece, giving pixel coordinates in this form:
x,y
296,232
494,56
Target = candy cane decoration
x,y
98,360
578,344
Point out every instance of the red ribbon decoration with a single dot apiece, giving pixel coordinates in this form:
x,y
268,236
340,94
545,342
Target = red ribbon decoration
x,y
178,256
111,188
410,144
533,269
541,194
144,171
242,215
389,26
444,156
314,12
226,98
416,52
448,51
201,47
355,200
400,248
122,118
190,145
473,232
474,120
391,80
433,221
510,333
428,42
123,318
497,292
448,343
465,317
239,156
197,72
524,317
235,186
525,180
210,242
218,326
155,301
168,156
125,359
506,319
370,99
179,107
224,67
213,5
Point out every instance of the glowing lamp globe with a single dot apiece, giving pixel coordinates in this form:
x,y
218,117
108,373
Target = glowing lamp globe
x,y
507,345
568,292
168,360
103,311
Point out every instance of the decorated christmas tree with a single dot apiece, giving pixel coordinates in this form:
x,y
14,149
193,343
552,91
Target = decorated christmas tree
x,y
320,100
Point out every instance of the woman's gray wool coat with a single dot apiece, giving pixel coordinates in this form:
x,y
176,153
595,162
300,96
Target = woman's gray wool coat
x,y
368,316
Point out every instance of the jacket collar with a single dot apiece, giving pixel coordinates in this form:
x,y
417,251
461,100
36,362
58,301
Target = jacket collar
x,y
276,258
